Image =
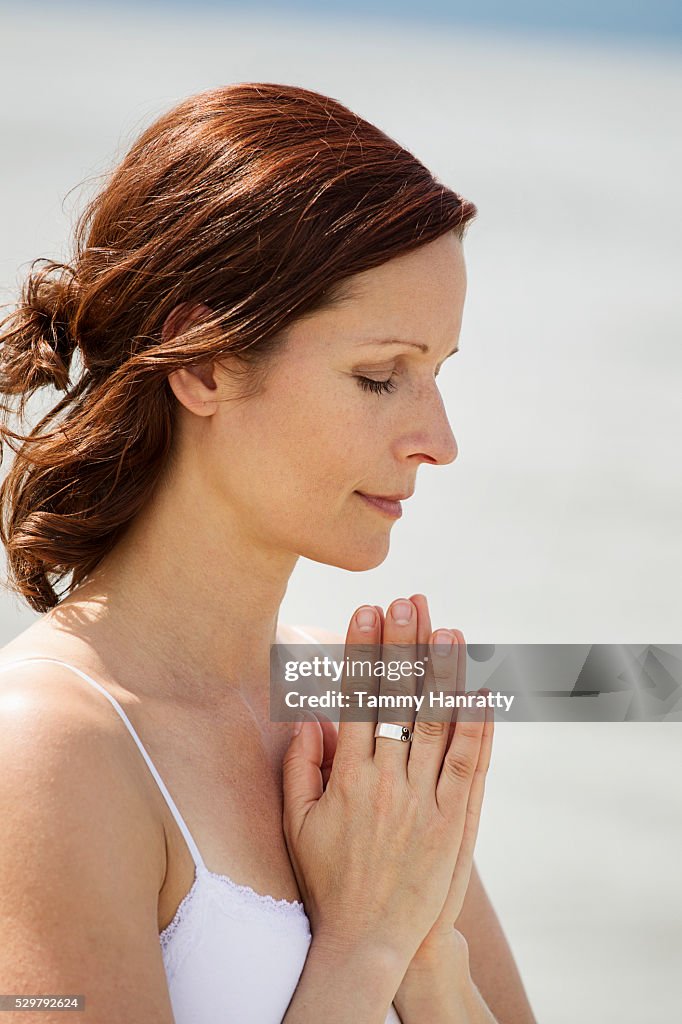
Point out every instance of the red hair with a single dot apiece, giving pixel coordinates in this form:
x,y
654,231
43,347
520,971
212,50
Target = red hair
x,y
255,199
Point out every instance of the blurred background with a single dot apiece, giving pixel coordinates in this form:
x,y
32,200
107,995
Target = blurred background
x,y
559,522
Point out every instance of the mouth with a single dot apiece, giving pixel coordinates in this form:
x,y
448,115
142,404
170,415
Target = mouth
x,y
388,505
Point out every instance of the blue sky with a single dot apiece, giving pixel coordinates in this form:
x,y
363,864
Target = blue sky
x,y
655,20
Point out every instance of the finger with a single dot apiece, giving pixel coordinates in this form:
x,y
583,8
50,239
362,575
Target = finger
x,y
362,650
459,763
424,627
301,776
488,735
398,650
465,857
477,790
434,719
423,618
460,688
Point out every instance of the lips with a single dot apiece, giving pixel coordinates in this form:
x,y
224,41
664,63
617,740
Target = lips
x,y
389,504
387,497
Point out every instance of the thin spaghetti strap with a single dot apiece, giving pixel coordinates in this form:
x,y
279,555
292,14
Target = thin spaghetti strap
x,y
198,859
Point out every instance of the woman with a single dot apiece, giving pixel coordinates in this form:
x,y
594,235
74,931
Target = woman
x,y
260,271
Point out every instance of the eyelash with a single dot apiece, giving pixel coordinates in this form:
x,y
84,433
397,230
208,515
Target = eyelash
x,y
377,386
381,386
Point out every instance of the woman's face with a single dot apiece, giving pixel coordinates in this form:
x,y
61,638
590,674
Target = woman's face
x,y
292,463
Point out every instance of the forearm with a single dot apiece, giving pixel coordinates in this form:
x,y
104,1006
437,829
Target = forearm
x,y
342,984
440,990
491,960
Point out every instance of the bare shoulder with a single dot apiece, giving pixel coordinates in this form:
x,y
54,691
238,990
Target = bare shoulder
x,y
57,730
79,863
44,705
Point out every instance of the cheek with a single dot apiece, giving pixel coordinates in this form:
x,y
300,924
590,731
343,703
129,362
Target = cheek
x,y
312,426
335,438
289,450
300,448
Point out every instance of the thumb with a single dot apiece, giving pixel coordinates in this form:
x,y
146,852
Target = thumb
x,y
301,775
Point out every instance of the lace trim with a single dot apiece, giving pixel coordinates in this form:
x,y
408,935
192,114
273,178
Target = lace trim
x,y
247,895
175,940
169,931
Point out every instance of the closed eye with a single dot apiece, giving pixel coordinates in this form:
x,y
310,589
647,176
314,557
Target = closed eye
x,y
377,386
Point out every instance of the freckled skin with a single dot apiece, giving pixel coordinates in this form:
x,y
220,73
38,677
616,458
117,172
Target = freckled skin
x,y
290,458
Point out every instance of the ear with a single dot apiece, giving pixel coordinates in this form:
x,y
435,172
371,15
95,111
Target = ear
x,y
182,317
193,386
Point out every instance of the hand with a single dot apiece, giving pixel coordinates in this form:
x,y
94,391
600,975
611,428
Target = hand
x,y
441,934
376,851
442,938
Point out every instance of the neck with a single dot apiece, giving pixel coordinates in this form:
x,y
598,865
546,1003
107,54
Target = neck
x,y
193,602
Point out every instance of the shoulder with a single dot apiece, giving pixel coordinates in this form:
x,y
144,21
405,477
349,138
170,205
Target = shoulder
x,y
41,701
68,761
54,710
79,865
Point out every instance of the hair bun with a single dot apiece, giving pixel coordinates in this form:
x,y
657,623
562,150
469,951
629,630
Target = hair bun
x,y
50,300
43,341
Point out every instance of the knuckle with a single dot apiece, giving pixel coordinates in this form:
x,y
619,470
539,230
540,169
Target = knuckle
x,y
430,729
361,651
398,687
458,767
359,660
469,729
352,706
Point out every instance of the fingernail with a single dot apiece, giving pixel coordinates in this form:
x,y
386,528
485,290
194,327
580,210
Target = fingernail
x,y
366,618
442,642
401,612
297,728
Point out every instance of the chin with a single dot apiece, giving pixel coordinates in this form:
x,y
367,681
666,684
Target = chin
x,y
353,559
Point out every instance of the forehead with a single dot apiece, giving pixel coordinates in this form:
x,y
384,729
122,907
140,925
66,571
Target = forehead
x,y
420,291
435,272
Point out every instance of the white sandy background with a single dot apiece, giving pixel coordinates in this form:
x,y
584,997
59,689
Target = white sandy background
x,y
560,519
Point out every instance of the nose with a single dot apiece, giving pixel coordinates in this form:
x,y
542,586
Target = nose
x,y
430,438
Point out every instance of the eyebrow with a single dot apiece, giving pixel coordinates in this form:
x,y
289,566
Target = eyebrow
x,y
422,346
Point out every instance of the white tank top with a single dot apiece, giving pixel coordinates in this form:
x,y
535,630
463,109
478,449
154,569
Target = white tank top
x,y
230,953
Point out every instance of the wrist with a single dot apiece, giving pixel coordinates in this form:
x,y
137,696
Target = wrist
x,y
366,954
447,951
345,980
437,985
